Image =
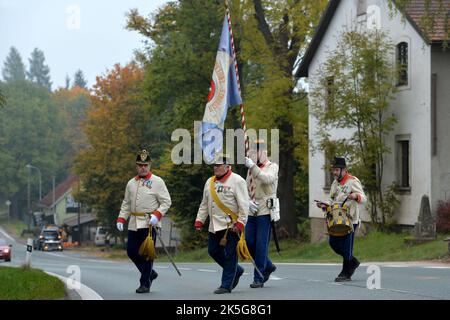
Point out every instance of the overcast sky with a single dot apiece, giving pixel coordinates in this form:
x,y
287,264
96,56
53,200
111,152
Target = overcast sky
x,y
74,34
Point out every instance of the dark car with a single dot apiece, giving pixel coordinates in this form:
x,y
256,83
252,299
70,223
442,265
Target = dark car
x,y
49,240
5,250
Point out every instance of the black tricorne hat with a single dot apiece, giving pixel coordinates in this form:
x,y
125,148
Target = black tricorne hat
x,y
143,157
339,163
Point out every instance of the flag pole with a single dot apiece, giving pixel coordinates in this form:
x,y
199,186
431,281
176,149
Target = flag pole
x,y
244,127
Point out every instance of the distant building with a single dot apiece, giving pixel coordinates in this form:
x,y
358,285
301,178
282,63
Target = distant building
x,y
63,211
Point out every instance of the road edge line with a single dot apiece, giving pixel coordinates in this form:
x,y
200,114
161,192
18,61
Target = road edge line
x,y
85,292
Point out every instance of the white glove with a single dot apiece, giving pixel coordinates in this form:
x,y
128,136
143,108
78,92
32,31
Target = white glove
x,y
249,162
120,226
253,207
153,220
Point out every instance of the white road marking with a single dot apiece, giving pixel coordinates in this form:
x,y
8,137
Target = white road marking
x,y
275,278
6,235
206,270
186,269
85,292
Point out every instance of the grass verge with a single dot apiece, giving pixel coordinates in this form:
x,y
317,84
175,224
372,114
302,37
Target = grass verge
x,y
29,284
377,246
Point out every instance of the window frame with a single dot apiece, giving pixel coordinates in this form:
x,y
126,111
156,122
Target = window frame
x,y
400,83
400,141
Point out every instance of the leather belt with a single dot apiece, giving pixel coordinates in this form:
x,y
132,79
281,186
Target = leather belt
x,y
138,214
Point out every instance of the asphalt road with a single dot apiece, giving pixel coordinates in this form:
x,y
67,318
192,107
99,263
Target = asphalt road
x,y
118,280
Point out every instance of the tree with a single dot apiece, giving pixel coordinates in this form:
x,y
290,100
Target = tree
x,y
273,34
2,99
358,81
79,80
74,103
112,128
178,68
13,67
39,72
436,14
67,82
31,127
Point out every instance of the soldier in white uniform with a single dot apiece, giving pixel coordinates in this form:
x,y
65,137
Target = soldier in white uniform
x,y
146,201
263,176
229,195
345,186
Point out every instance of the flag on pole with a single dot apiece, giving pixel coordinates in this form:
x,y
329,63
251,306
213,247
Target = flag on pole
x,y
224,93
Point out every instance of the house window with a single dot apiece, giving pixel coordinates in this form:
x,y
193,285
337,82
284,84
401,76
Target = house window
x,y
403,162
402,64
361,7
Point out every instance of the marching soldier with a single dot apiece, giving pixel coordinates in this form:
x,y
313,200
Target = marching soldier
x,y
146,201
225,202
345,186
263,176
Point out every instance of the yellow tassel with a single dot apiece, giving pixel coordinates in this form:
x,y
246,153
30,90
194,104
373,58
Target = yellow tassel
x,y
242,249
147,248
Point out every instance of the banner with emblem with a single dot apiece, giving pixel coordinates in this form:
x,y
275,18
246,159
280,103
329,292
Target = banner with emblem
x,y
224,93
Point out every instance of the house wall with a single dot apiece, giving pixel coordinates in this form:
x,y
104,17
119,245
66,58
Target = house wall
x,y
440,65
61,210
411,107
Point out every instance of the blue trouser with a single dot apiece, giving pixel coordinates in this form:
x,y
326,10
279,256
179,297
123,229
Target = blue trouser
x,y
225,256
343,246
135,239
257,235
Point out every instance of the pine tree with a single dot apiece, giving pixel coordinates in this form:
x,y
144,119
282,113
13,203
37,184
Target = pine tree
x,y
67,82
39,72
79,80
13,67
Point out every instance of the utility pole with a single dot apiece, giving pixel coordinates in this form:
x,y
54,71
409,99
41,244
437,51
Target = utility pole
x,y
53,204
28,200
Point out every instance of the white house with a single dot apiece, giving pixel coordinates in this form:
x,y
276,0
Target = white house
x,y
420,142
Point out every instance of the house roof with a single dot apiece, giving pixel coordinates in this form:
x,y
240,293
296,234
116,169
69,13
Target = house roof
x,y
84,218
60,190
415,11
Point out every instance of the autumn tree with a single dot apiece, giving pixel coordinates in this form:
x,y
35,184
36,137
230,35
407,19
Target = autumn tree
x,y
113,130
73,103
268,38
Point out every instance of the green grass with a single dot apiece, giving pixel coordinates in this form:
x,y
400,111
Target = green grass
x,y
29,284
13,227
377,246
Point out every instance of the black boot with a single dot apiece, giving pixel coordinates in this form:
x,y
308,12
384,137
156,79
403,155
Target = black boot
x,y
353,264
344,275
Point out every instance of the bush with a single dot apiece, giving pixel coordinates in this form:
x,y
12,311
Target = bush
x,y
443,216
304,229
